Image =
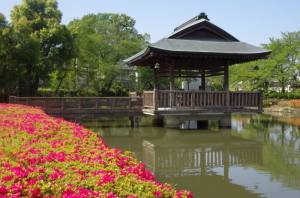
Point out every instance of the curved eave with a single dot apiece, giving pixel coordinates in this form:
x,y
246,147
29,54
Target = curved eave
x,y
215,47
209,53
137,57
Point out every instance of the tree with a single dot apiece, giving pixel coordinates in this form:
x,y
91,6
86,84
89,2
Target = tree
x,y
43,45
10,71
104,40
282,65
244,76
285,58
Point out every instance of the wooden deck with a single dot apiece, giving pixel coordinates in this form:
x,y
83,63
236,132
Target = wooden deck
x,y
168,102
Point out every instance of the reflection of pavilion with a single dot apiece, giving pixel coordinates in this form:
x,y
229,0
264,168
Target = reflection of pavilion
x,y
189,159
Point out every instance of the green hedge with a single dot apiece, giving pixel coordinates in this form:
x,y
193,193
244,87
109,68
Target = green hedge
x,y
277,95
80,93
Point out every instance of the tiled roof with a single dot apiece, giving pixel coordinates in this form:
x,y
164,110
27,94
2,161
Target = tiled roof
x,y
179,42
215,47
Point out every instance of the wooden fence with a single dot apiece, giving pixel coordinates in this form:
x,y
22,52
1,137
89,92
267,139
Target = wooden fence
x,y
79,102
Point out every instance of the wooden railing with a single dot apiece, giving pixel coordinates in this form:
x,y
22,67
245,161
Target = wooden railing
x,y
195,99
73,103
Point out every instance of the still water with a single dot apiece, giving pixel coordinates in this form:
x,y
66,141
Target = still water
x,y
258,157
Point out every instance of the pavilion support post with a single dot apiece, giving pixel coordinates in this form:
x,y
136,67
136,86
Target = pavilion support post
x,y
172,121
226,77
172,87
172,77
203,81
155,79
225,121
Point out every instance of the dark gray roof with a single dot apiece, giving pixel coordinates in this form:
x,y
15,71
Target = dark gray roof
x,y
201,47
215,47
177,42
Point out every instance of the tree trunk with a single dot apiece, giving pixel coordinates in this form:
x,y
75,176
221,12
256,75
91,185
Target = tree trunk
x,y
59,84
27,81
35,86
282,89
107,87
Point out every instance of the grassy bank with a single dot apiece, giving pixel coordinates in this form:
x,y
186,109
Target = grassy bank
x,y
42,156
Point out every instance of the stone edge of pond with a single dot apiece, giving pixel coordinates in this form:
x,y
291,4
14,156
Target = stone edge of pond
x,y
283,111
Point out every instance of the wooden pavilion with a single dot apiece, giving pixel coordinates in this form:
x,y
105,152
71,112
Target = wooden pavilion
x,y
197,48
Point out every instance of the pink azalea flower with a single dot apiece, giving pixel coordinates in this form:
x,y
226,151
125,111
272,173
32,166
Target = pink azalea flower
x,y
158,193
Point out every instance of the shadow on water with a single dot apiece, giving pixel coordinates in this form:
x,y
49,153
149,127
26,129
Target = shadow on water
x,y
258,157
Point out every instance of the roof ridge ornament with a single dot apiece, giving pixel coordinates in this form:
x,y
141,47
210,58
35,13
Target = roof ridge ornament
x,y
202,15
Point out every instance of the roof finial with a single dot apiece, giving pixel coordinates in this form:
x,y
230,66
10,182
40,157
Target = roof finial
x,y
202,15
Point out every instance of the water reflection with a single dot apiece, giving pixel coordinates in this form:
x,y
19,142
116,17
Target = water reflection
x,y
258,157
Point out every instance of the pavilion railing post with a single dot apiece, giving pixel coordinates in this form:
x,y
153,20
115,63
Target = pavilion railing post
x,y
260,101
11,99
227,100
193,99
28,101
129,103
97,103
63,104
155,99
113,105
79,103
45,103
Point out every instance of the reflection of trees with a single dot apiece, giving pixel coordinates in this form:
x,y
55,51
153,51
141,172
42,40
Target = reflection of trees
x,y
283,164
281,147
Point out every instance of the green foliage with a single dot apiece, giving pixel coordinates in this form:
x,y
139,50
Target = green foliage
x,y
102,42
282,65
278,95
45,92
217,83
267,103
244,77
42,45
146,79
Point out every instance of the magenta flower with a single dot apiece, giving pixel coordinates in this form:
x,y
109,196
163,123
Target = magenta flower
x,y
158,193
3,190
48,157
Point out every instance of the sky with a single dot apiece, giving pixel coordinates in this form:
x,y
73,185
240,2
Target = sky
x,y
250,21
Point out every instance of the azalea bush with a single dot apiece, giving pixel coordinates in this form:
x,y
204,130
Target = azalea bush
x,y
295,104
42,156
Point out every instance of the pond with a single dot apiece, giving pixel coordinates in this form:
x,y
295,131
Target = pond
x,y
258,157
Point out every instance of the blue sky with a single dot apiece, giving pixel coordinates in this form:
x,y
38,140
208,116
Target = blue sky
x,y
250,21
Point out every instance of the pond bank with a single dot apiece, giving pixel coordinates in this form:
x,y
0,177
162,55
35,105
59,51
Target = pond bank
x,y
284,111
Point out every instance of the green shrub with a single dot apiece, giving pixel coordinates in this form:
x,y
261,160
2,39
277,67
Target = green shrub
x,y
277,95
267,103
